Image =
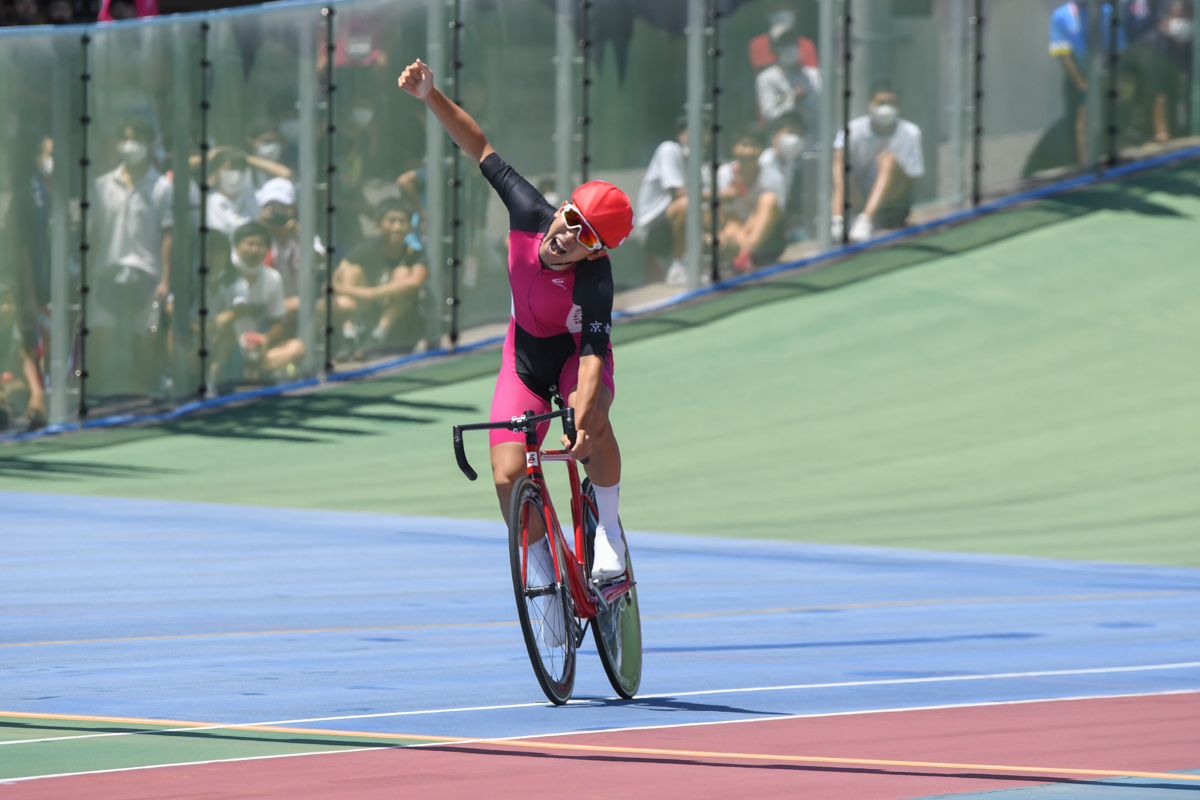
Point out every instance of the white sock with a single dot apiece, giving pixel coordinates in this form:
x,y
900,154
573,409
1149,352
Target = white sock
x,y
607,501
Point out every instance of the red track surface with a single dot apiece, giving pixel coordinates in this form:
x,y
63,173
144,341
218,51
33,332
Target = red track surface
x,y
1146,734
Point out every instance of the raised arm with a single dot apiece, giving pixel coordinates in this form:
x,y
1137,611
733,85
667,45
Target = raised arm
x,y
417,80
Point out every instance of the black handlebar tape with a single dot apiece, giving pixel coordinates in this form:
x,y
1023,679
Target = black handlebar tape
x,y
569,429
569,425
461,455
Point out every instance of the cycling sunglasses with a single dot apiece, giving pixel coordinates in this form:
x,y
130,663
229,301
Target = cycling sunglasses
x,y
584,234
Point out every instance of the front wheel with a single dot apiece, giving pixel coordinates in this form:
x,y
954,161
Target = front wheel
x,y
543,598
618,631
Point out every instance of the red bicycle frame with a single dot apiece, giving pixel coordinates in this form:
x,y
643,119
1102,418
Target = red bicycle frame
x,y
586,598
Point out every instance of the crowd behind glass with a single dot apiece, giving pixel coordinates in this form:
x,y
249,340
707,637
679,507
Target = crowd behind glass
x,y
765,182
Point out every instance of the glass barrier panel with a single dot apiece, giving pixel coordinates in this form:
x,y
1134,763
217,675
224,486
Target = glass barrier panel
x,y
1034,94
263,251
41,97
906,135
130,219
637,140
508,83
382,304
773,104
1154,78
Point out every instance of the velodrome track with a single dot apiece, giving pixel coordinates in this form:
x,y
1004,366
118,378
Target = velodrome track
x,y
930,533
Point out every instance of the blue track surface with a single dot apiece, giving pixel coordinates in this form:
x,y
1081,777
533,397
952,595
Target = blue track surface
x,y
239,615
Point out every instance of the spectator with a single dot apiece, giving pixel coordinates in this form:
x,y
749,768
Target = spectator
x,y
885,159
379,281
61,12
277,199
26,12
20,381
752,219
132,268
231,203
29,222
787,85
1069,44
787,144
250,342
1162,56
662,208
265,154
760,46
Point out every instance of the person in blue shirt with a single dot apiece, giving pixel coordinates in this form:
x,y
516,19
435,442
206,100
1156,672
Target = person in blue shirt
x,y
1069,44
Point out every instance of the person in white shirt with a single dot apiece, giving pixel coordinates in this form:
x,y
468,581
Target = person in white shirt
x,y
249,336
885,159
662,207
788,143
751,205
131,230
231,202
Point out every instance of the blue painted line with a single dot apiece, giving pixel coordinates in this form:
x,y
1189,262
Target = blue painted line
x,y
1043,192
241,615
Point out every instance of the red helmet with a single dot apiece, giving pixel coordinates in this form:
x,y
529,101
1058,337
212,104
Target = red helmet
x,y
606,209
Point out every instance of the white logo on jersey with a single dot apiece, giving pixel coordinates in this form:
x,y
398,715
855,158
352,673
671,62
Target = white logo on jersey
x,y
575,319
559,282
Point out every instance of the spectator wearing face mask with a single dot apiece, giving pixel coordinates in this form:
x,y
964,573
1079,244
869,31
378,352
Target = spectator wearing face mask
x,y
751,205
787,144
277,199
885,159
662,208
265,153
250,338
231,201
131,228
787,86
1162,56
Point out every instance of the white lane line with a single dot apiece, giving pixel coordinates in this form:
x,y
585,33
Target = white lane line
x,y
461,742
818,715
792,687
935,679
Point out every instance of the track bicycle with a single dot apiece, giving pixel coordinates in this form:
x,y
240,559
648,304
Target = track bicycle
x,y
557,599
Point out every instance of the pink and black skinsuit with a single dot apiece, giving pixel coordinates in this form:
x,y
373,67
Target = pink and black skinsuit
x,y
557,315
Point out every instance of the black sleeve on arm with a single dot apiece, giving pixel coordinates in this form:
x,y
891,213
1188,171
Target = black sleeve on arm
x,y
527,209
594,296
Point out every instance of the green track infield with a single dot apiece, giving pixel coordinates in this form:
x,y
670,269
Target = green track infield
x,y
37,746
1025,384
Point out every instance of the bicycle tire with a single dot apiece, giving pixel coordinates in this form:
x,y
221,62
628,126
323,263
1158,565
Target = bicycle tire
x,y
551,651
618,631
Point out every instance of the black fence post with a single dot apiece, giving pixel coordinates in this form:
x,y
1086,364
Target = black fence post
x,y
330,183
715,88
454,262
205,104
85,122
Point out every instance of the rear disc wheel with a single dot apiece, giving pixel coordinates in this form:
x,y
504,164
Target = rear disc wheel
x,y
618,631
544,606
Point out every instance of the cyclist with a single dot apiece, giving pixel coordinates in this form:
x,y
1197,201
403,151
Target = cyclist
x,y
558,335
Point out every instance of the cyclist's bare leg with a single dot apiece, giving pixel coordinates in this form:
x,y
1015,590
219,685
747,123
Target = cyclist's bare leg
x,y
508,465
